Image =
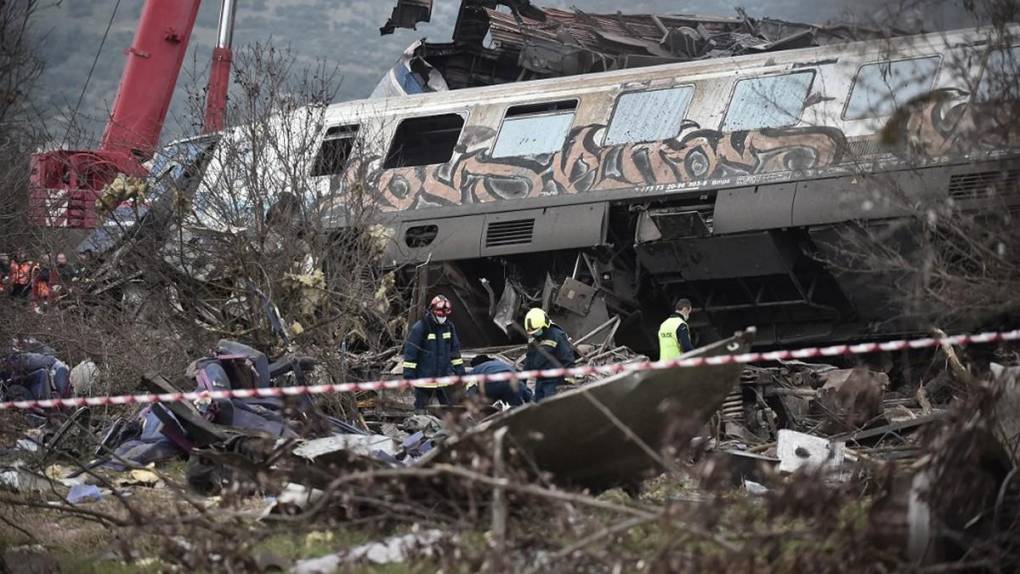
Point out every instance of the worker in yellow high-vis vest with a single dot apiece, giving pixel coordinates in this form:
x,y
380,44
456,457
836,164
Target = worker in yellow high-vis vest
x,y
674,336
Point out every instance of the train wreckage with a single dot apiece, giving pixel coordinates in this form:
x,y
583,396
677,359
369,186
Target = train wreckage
x,y
601,166
597,166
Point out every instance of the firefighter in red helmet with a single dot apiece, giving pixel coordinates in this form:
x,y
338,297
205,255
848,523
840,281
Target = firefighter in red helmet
x,y
432,350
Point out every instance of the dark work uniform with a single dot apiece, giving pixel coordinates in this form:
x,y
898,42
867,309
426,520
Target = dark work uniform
x,y
432,350
549,350
500,390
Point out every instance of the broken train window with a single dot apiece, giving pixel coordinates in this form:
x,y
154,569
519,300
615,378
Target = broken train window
x,y
768,102
881,87
425,140
648,116
335,150
534,129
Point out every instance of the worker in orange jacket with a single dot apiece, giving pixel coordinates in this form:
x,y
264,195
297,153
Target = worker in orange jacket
x,y
21,274
41,278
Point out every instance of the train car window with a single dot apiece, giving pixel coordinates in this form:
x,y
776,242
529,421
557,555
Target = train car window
x,y
881,87
648,116
998,81
335,150
534,129
768,102
426,140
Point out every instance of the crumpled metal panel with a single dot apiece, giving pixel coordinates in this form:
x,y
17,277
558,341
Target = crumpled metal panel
x,y
506,309
407,14
574,441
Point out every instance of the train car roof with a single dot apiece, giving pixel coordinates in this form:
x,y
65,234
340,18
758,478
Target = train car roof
x,y
564,86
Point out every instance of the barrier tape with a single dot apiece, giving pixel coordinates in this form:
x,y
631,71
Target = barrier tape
x,y
610,369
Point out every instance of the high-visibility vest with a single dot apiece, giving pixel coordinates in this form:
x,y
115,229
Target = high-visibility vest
x,y
669,346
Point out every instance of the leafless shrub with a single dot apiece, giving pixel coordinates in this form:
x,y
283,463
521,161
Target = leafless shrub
x,y
954,259
21,126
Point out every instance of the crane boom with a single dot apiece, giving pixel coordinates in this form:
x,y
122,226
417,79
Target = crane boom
x,y
219,73
150,75
64,184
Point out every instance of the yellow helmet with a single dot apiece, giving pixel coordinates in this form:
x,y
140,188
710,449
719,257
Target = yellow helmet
x,y
535,321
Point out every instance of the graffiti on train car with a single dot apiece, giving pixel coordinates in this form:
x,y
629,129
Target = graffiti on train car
x,y
943,123
583,165
929,126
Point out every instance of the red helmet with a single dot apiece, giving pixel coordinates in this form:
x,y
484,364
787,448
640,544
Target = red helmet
x,y
440,306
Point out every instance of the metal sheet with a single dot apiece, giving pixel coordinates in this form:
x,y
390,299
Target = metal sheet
x,y
727,256
754,208
570,438
575,296
506,309
555,228
407,14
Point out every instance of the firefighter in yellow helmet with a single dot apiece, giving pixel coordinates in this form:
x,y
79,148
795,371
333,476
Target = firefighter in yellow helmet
x,y
674,335
548,348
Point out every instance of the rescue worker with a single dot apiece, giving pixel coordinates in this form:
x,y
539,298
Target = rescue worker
x,y
21,274
547,349
674,335
432,349
41,280
497,390
61,275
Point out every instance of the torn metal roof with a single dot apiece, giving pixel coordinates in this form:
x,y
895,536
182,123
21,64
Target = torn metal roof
x,y
491,46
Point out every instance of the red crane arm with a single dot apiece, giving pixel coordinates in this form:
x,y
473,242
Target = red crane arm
x,y
150,75
64,184
219,72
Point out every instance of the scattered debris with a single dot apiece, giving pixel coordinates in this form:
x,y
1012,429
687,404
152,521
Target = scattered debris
x,y
798,451
81,493
851,398
528,42
390,551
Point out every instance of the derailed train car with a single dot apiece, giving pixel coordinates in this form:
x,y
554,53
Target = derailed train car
x,y
730,181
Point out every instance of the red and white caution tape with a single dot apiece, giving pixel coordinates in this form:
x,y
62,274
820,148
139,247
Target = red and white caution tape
x,y
782,355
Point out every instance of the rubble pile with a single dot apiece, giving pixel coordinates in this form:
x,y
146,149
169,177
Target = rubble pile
x,y
763,430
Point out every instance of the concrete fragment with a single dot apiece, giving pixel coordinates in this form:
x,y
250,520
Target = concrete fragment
x,y
797,450
755,488
365,445
293,497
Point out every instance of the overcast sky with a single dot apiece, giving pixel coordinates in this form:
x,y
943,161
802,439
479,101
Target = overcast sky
x,y
345,32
